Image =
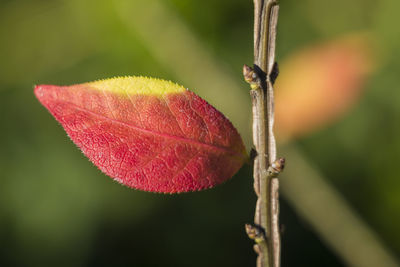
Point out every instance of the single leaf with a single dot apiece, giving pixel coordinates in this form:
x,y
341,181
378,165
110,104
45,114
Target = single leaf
x,y
146,133
321,83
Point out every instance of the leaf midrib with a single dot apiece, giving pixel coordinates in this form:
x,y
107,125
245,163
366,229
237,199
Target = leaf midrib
x,y
164,135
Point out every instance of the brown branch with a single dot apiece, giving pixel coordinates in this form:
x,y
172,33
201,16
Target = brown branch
x,y
266,229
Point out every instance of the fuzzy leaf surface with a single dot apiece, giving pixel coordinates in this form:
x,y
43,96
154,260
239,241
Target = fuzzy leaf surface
x,y
146,133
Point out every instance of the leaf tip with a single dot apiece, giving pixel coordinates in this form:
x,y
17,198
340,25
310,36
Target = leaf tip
x,y
39,91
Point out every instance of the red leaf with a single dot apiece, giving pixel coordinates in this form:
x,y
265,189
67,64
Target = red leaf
x,y
148,134
321,83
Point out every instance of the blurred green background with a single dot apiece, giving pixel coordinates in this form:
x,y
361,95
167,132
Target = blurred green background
x,y
57,209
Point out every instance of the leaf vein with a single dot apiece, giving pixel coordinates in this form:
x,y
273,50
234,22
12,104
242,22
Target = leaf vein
x,y
221,149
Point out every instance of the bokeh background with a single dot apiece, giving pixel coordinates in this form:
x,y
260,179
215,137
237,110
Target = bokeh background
x,y
340,203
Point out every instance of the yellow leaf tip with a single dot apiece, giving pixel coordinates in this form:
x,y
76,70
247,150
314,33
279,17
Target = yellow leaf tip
x,y
137,85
